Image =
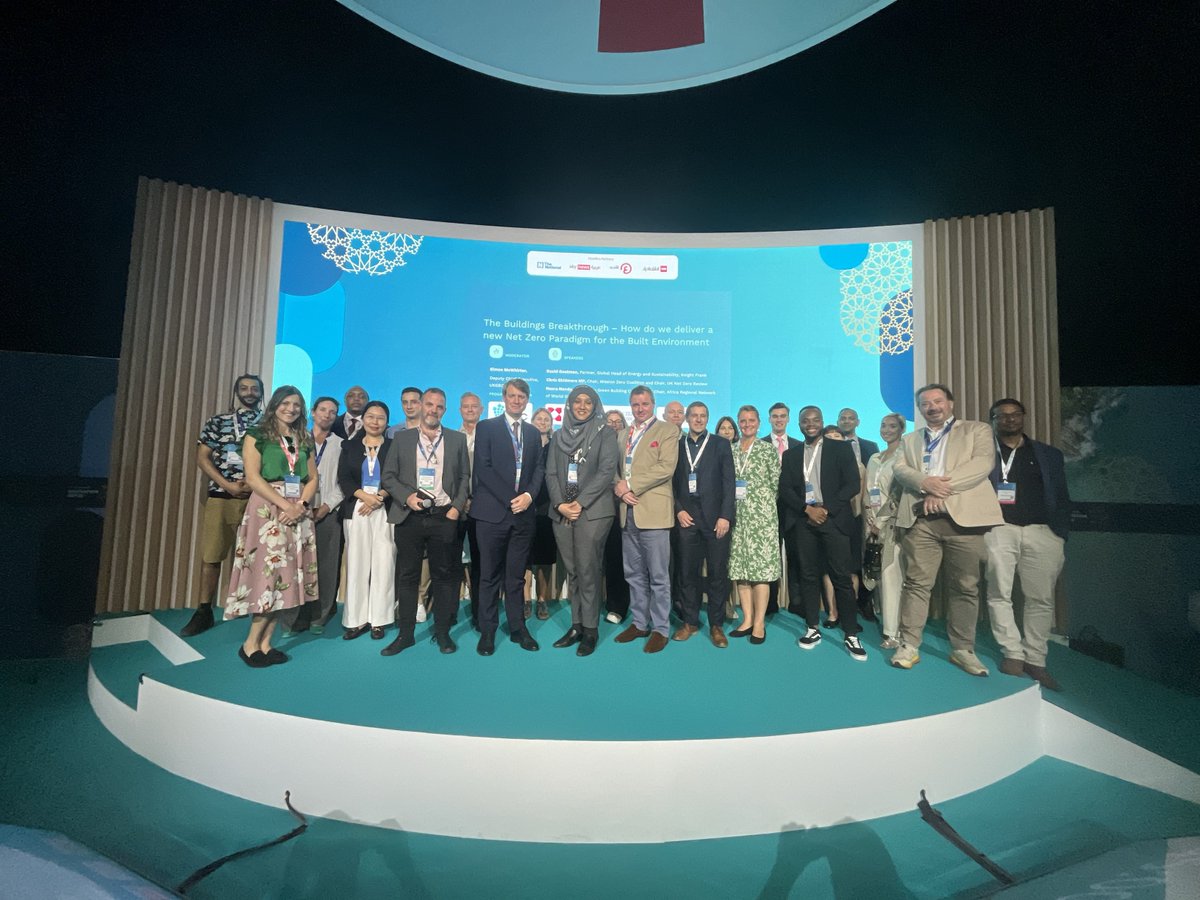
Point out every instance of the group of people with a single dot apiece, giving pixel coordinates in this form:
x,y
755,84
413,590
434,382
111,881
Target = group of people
x,y
647,518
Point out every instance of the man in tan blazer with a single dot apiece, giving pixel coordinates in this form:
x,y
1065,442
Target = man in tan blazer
x,y
649,452
946,508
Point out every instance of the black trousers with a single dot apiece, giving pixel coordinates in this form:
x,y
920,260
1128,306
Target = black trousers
x,y
427,534
616,588
466,527
793,576
503,553
823,550
699,545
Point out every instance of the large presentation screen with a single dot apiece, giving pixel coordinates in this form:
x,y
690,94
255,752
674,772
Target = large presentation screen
x,y
827,318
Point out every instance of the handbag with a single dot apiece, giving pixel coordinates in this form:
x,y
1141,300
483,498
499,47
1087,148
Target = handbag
x,y
872,558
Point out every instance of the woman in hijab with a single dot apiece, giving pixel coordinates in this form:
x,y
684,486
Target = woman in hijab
x,y
579,474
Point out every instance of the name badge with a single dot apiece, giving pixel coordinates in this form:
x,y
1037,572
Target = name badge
x,y
517,479
291,486
810,493
370,489
628,462
1006,493
927,461
425,478
875,498
739,489
572,473
692,486
233,458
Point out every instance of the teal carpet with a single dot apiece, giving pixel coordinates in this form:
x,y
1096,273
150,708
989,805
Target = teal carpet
x,y
62,771
690,690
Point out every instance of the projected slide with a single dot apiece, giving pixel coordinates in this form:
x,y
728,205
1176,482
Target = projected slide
x,y
830,324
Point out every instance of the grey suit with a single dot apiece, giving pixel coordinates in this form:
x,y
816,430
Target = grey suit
x,y
433,533
581,542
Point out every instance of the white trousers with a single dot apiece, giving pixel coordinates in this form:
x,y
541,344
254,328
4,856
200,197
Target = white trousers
x,y
891,581
1033,553
370,571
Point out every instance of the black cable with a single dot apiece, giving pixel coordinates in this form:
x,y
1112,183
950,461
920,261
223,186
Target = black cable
x,y
203,872
942,827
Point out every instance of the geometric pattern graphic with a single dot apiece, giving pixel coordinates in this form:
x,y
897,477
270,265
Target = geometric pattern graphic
x,y
875,285
896,324
355,250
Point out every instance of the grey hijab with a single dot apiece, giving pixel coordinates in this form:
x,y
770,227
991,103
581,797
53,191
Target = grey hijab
x,y
576,435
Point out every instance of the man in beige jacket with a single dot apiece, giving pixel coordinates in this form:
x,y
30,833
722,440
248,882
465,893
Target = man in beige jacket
x,y
650,450
946,508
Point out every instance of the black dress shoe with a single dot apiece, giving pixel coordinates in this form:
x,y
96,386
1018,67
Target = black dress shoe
x,y
256,660
741,632
445,642
570,639
201,620
275,657
403,642
587,642
758,640
351,633
525,639
487,644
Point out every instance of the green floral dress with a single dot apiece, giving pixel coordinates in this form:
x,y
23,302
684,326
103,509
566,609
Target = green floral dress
x,y
754,552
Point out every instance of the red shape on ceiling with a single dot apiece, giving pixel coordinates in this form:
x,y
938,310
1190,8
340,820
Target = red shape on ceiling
x,y
637,26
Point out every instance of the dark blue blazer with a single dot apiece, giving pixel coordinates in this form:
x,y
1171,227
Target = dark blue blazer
x,y
495,467
1054,482
839,483
714,481
866,449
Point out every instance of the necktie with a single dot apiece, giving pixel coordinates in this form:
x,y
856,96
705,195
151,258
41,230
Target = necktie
x,y
782,445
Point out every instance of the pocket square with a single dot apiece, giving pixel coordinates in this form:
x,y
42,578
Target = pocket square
x,y
653,444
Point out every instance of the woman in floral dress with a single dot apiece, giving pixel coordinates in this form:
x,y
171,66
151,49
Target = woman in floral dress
x,y
754,553
275,558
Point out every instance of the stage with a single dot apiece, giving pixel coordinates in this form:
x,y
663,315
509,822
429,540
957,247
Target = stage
x,y
502,738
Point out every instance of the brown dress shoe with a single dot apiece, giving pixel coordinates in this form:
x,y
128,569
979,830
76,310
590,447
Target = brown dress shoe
x,y
685,631
718,636
654,643
1013,667
632,633
1042,677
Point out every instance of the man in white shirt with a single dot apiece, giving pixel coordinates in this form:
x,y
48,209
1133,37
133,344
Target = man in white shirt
x,y
327,450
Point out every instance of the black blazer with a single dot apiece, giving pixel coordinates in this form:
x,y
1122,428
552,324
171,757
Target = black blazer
x,y
339,427
349,473
866,449
714,483
400,470
839,484
1054,484
492,481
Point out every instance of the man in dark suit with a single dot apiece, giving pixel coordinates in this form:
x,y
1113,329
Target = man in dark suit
x,y
704,509
507,476
779,415
349,424
427,473
848,423
817,484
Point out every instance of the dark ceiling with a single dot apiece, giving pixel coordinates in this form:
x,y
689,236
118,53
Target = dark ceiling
x,y
930,108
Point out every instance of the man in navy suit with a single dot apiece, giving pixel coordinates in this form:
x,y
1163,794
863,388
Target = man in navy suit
x,y
848,423
816,485
704,509
507,476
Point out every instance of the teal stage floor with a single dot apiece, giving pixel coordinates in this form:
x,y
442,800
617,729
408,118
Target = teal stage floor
x,y
63,771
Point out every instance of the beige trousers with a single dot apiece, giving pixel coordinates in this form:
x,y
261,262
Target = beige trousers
x,y
934,545
1033,553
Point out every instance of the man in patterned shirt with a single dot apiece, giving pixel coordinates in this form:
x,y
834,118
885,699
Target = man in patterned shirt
x,y
219,456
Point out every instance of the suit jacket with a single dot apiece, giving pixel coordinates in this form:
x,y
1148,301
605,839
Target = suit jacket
x,y
970,456
785,514
714,483
339,427
349,474
866,449
496,467
654,461
597,471
1054,483
840,484
400,471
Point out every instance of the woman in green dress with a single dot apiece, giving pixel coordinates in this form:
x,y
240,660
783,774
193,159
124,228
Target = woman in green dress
x,y
754,553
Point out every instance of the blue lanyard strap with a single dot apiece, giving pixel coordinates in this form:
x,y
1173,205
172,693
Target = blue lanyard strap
x,y
431,456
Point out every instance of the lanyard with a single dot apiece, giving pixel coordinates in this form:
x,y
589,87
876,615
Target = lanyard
x,y
1005,468
290,455
687,448
745,457
431,456
372,459
518,440
630,443
321,451
812,463
238,432
930,446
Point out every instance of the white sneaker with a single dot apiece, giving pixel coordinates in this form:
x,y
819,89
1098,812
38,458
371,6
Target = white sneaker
x,y
855,647
906,657
614,618
811,638
422,615
969,662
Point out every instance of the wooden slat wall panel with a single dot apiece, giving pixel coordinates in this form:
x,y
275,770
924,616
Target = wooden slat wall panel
x,y
194,321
